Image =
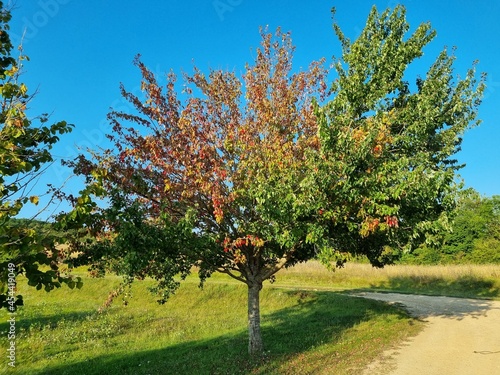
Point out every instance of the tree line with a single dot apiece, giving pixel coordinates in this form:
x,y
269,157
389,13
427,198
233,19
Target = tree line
x,y
475,235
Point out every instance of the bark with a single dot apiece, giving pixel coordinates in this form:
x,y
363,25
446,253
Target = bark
x,y
255,346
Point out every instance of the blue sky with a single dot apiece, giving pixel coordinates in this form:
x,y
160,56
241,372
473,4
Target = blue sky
x,y
80,51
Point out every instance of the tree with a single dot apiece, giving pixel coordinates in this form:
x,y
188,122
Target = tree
x,y
24,153
231,172
249,181
389,151
487,245
476,231
472,216
475,235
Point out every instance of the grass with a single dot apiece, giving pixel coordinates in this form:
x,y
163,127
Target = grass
x,y
310,326
474,281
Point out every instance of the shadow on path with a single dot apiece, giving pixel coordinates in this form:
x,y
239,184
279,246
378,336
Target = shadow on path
x,y
425,306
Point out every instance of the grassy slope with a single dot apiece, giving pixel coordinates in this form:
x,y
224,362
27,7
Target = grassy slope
x,y
204,332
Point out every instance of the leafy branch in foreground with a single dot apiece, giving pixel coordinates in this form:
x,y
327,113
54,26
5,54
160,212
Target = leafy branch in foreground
x,y
24,153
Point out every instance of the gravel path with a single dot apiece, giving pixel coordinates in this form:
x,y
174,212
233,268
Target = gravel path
x,y
462,337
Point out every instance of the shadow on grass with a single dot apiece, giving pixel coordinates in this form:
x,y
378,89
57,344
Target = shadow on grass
x,y
318,318
463,286
51,321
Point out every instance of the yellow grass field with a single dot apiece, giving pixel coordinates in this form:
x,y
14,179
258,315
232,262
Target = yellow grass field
x,y
456,280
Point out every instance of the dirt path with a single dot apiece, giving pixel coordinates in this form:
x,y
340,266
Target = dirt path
x,y
462,337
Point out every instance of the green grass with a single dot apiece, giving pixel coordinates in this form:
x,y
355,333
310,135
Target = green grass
x,y
200,331
309,324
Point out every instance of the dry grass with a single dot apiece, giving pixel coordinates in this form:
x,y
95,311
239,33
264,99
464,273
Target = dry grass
x,y
444,271
456,280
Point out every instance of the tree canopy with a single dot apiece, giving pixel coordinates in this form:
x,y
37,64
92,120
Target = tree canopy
x,y
246,176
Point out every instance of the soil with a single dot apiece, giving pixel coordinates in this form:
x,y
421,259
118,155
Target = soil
x,y
461,337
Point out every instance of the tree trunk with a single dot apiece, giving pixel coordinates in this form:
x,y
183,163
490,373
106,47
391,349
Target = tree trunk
x,y
255,345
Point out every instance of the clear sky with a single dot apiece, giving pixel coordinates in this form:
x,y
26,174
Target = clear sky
x,y
80,51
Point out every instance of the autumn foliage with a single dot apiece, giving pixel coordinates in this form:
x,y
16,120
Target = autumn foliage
x,y
247,175
219,151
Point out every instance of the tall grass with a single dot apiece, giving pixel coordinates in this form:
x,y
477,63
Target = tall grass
x,y
452,280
